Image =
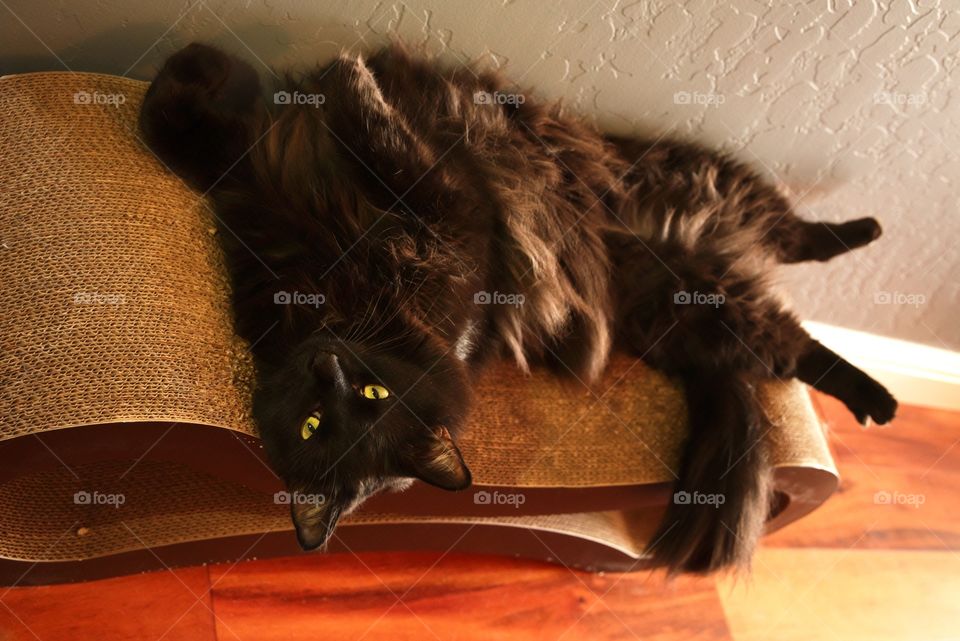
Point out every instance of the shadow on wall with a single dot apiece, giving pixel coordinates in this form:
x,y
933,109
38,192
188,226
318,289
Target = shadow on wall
x,y
135,51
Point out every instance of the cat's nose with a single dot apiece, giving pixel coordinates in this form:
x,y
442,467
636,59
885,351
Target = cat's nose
x,y
327,368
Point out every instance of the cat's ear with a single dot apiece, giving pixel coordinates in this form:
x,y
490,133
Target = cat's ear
x,y
314,521
437,460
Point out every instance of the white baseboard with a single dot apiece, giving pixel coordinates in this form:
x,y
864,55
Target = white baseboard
x,y
916,374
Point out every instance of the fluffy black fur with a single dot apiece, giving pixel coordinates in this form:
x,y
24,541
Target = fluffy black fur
x,y
399,197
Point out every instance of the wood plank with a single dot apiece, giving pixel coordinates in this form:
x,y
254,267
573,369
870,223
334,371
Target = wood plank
x,y
898,487
845,595
171,606
426,595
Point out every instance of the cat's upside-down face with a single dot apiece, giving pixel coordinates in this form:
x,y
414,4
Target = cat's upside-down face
x,y
343,420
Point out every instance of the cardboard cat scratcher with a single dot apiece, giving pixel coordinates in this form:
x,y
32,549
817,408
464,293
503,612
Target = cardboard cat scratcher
x,y
126,441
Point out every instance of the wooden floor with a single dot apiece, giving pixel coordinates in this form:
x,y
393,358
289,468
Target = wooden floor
x,y
881,560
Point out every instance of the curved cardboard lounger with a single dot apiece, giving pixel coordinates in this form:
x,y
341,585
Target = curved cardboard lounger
x,y
125,436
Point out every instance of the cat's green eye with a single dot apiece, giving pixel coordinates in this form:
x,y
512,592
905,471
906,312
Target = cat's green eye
x,y
309,426
375,392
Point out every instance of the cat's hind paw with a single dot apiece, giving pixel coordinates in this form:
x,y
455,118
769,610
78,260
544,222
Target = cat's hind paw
x,y
871,401
209,77
859,233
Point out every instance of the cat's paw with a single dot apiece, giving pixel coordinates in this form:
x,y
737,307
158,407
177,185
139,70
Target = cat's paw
x,y
208,78
200,113
198,65
870,400
860,232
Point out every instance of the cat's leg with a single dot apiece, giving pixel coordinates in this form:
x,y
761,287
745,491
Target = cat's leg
x,y
726,318
377,136
670,312
201,113
828,372
798,241
715,326
691,182
723,316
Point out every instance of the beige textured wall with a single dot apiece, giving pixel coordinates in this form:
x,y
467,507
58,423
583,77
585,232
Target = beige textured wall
x,y
853,105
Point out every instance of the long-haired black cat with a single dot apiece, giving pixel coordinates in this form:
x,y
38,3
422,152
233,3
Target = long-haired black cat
x,y
368,203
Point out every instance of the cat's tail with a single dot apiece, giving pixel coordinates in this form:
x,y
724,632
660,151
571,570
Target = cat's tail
x,y
722,497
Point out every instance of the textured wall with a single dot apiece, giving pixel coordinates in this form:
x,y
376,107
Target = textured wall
x,y
852,105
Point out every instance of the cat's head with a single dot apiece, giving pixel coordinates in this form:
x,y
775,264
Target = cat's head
x,y
343,420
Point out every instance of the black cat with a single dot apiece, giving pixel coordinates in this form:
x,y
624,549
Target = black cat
x,y
391,226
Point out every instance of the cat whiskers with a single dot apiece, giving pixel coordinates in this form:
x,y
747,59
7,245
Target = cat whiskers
x,y
390,340
368,316
399,307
